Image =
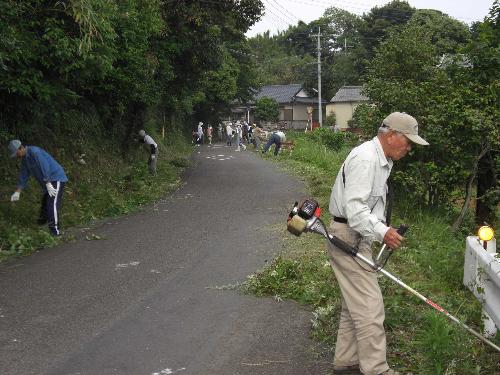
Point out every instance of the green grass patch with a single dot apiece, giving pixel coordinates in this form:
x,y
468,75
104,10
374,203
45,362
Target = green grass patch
x,y
420,340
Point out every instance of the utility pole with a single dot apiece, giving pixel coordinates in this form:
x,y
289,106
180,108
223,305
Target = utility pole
x,y
320,118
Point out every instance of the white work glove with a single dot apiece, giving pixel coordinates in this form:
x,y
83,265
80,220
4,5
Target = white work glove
x,y
51,190
153,157
15,197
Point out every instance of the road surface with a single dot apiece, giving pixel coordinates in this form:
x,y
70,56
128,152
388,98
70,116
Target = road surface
x,y
157,293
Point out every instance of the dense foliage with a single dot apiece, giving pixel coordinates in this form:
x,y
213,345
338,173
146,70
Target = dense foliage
x,y
121,60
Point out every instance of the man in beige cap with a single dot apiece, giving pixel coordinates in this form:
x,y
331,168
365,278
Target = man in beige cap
x,y
357,205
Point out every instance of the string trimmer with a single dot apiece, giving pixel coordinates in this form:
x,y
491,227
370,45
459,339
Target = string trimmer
x,y
306,218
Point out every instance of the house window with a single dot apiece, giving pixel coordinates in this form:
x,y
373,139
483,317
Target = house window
x,y
288,114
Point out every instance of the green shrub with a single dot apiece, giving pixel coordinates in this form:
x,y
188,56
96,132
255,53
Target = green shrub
x,y
330,120
332,140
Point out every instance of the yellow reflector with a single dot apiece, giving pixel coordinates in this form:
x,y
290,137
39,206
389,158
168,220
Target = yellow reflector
x,y
485,233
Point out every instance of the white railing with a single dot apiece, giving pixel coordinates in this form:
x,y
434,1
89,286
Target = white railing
x,y
482,277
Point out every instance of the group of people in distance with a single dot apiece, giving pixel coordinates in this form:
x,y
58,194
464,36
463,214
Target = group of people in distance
x,y
241,133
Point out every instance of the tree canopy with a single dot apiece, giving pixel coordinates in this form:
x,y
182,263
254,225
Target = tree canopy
x,y
125,59
267,109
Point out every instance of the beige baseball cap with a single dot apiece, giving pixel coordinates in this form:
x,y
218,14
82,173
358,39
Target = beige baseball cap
x,y
405,124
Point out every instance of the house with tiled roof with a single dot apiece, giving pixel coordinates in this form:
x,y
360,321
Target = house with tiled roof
x,y
344,103
293,103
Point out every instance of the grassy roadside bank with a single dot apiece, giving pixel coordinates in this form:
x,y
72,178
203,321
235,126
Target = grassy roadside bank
x,y
106,185
420,340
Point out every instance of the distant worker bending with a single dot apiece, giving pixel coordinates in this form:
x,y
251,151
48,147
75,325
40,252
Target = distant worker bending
x,y
276,138
152,148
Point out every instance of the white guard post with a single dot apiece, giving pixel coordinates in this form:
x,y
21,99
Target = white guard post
x,y
482,277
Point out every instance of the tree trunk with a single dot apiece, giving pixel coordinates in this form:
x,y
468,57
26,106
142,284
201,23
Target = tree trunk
x,y
468,190
468,195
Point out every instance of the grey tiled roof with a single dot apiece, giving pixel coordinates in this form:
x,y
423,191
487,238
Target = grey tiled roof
x,y
280,93
349,94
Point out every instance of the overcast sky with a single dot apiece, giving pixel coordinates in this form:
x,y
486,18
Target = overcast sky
x,y
281,13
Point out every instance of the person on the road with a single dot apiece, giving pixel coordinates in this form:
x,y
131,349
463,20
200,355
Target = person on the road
x,y
357,205
259,135
152,148
250,134
276,138
219,132
244,134
50,175
209,134
239,139
200,133
229,134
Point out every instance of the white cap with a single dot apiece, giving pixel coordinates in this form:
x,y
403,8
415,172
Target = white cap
x,y
405,124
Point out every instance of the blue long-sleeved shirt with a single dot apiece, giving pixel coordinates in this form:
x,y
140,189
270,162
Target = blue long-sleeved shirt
x,y
39,164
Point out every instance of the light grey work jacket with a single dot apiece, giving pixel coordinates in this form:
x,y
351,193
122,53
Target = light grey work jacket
x,y
360,189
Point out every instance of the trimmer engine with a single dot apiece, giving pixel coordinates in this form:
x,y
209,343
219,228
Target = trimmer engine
x,y
303,216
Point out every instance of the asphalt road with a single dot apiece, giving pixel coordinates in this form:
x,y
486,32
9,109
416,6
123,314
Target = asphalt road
x,y
156,294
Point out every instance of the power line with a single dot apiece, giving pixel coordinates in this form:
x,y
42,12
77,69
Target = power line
x,y
323,4
287,23
286,10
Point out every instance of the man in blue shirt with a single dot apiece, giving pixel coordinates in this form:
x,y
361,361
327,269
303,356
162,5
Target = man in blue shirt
x,y
38,163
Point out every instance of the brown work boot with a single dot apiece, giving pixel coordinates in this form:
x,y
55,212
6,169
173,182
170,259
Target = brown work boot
x,y
347,370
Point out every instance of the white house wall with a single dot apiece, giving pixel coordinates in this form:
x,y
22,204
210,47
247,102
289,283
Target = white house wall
x,y
343,112
299,112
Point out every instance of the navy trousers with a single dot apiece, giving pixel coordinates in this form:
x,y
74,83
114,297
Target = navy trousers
x,y
49,212
273,139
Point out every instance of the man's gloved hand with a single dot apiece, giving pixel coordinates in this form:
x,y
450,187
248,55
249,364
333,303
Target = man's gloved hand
x,y
15,197
153,157
51,190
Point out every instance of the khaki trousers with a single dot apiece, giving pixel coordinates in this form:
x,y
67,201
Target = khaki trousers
x,y
361,336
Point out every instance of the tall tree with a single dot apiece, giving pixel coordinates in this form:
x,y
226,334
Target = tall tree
x,y
456,116
484,52
448,35
342,50
382,20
